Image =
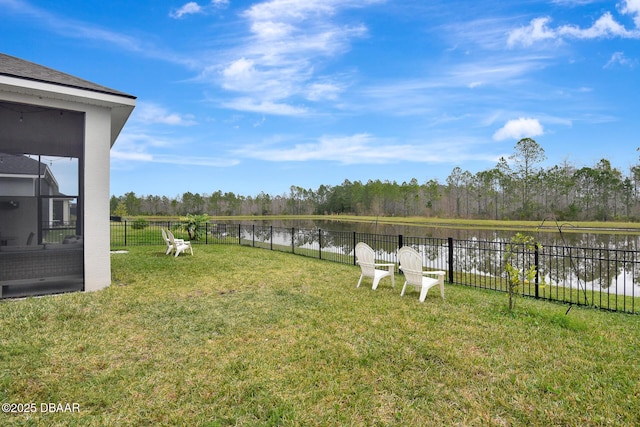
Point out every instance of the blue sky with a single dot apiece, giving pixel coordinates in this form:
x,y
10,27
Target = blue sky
x,y
251,96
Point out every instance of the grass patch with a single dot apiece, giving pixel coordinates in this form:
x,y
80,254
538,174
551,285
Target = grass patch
x,y
239,336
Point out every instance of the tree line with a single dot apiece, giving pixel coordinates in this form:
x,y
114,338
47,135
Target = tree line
x,y
517,187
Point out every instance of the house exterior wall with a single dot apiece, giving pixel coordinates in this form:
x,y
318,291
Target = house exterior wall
x,y
18,187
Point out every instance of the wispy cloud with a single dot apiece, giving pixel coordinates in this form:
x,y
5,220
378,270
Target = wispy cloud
x,y
68,27
278,61
151,113
619,58
90,33
174,159
193,8
265,107
363,148
139,145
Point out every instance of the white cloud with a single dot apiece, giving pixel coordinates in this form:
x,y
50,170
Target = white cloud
x,y
536,31
518,129
632,7
193,8
238,73
190,8
150,113
606,26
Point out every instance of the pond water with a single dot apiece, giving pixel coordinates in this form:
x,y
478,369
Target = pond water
x,y
553,234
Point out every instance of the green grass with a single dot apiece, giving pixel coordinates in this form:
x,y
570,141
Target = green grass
x,y
248,337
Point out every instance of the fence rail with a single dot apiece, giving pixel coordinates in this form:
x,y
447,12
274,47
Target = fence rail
x,y
605,278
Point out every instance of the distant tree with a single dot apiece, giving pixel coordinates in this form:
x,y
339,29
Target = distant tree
x,y
121,210
132,203
528,153
609,183
113,204
455,183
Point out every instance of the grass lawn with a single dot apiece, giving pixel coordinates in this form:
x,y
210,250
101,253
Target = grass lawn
x,y
250,337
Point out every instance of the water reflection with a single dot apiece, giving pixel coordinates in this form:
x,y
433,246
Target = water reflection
x,y
558,234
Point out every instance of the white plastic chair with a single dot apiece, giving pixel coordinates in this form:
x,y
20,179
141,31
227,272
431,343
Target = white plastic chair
x,y
179,245
411,266
365,257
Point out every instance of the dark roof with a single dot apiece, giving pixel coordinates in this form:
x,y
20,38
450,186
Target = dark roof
x,y
19,68
19,165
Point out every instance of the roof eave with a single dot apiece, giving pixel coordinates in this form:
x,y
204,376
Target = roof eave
x,y
121,105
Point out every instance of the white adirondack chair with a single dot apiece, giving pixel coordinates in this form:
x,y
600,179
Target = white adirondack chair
x,y
365,257
170,247
179,245
167,241
411,266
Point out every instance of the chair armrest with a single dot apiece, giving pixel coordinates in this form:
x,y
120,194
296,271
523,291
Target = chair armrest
x,y
390,267
435,273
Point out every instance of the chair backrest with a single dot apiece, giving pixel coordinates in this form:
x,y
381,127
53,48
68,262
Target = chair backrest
x,y
411,265
172,239
366,258
164,236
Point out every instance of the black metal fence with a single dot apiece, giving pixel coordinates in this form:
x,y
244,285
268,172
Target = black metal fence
x,y
599,277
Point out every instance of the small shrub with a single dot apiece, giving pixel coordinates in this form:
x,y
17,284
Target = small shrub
x,y
194,225
518,272
140,224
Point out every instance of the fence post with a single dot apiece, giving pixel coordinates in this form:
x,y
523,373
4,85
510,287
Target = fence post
x,y
293,240
271,237
239,234
354,249
450,240
537,279
400,241
320,243
125,232
253,235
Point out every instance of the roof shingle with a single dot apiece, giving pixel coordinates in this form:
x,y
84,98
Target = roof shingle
x,y
19,165
19,68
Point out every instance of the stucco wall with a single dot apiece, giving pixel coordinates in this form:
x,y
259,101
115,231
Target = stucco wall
x,y
96,199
